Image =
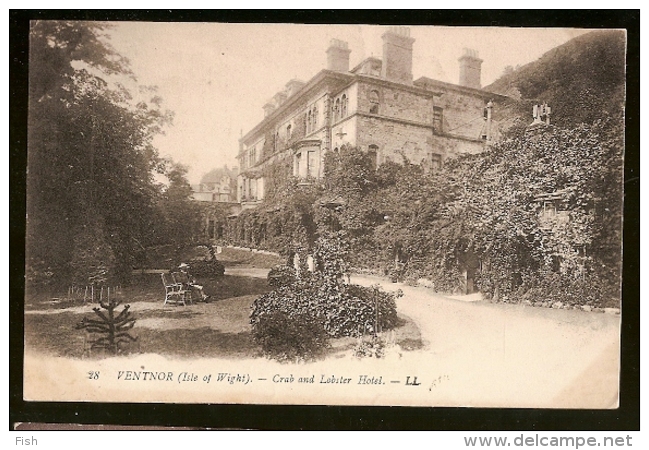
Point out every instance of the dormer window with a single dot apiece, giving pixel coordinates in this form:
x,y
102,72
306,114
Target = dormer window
x,y
374,102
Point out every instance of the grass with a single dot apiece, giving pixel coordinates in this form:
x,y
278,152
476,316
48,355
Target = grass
x,y
237,257
219,328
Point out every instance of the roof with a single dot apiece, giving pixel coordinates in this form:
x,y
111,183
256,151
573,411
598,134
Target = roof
x,y
425,81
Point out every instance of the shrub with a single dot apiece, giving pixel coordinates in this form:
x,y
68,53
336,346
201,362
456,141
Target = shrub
x,y
570,291
342,310
282,275
290,337
209,268
364,302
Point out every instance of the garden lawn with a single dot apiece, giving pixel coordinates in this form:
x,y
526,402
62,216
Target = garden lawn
x,y
219,328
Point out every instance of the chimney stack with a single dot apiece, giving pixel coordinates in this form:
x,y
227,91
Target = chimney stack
x,y
397,55
470,69
338,56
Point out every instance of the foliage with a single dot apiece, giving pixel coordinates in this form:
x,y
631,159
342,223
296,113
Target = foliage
x,y
321,297
112,330
93,259
372,348
90,154
290,338
342,310
582,80
282,276
210,268
553,288
181,217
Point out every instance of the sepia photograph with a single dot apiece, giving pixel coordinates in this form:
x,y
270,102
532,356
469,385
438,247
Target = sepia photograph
x,y
324,214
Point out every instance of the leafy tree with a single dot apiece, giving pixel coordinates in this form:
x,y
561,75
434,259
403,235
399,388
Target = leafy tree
x,y
182,218
91,160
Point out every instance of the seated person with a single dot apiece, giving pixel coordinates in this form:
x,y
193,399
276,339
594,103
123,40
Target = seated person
x,y
188,281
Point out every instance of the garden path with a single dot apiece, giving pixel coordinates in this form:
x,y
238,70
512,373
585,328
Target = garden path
x,y
500,352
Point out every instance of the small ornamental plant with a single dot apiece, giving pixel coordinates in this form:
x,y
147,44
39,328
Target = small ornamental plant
x,y
111,331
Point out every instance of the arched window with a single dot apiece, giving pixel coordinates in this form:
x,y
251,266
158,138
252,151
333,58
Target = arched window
x,y
337,109
315,117
374,102
343,106
288,132
309,122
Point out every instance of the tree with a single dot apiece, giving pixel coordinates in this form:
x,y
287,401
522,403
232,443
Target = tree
x,y
91,160
182,218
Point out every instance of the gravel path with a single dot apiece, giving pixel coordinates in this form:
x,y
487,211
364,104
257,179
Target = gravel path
x,y
502,353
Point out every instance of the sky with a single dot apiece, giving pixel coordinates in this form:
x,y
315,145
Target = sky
x,y
216,77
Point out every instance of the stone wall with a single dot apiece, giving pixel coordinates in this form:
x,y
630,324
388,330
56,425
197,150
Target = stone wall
x,y
463,114
395,138
396,102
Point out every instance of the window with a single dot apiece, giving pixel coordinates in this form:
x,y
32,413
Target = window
x,y
337,109
549,210
309,122
438,119
374,102
296,169
276,143
288,132
315,117
253,189
253,156
373,152
435,161
343,106
311,164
